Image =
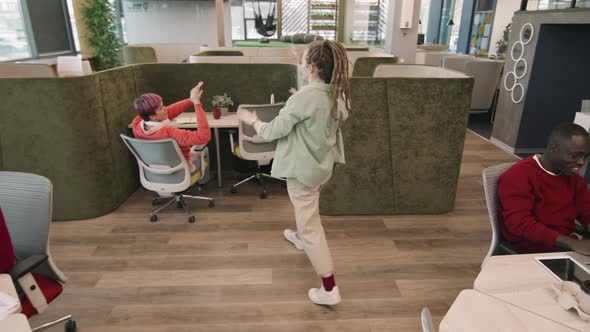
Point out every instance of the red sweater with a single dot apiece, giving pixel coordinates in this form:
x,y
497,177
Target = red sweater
x,y
184,138
536,206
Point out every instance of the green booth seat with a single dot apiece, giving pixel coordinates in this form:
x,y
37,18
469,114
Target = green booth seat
x,y
67,129
365,66
403,145
137,54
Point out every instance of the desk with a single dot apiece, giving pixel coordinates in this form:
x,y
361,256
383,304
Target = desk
x,y
7,287
15,323
521,281
229,120
475,311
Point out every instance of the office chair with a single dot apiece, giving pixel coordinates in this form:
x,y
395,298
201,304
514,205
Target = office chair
x,y
163,169
25,221
250,146
491,175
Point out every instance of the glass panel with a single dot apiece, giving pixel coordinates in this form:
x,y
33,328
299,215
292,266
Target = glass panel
x,y
295,17
73,24
237,23
13,38
423,20
369,22
454,29
263,7
554,4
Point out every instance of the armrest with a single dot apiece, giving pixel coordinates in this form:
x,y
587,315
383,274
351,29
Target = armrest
x,y
231,141
26,266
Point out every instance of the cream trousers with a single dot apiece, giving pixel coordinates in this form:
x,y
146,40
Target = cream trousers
x,y
305,200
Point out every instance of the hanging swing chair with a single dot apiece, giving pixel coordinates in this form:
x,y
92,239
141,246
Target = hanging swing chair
x,y
265,29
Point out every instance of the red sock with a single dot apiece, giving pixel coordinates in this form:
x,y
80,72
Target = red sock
x,y
328,283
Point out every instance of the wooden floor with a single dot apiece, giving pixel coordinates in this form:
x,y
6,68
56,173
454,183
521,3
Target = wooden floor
x,y
233,271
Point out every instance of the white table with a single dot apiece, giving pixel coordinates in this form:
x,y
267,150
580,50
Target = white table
x,y
229,120
521,281
475,311
15,323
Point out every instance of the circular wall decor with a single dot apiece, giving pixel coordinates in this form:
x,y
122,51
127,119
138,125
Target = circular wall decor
x,y
526,33
520,68
509,81
517,93
517,50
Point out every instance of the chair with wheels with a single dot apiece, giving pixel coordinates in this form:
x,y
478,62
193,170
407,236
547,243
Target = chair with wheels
x,y
250,146
164,170
25,221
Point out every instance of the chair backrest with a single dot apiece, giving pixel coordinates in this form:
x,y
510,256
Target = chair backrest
x,y
218,59
486,74
491,175
26,202
252,147
20,70
456,61
162,166
69,66
426,318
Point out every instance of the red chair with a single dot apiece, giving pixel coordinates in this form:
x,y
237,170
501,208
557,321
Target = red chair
x,y
25,215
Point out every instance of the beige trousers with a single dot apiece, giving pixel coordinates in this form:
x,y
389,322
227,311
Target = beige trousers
x,y
305,200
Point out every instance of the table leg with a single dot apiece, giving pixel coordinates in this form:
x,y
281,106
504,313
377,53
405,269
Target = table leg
x,y
219,181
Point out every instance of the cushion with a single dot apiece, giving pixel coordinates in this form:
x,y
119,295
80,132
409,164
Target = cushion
x,y
6,250
50,289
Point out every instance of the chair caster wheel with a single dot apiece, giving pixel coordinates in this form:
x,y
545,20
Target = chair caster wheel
x,y
191,219
154,218
179,205
211,203
71,326
233,190
264,194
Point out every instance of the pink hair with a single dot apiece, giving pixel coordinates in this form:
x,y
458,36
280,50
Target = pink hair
x,y
147,104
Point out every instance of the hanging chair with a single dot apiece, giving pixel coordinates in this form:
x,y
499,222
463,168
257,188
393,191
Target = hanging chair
x,y
265,29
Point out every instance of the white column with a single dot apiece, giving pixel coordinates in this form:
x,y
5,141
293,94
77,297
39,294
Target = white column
x,y
402,42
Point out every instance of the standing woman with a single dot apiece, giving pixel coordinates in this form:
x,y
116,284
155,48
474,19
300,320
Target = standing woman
x,y
309,144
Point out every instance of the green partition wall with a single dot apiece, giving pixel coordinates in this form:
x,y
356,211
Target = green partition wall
x,y
403,145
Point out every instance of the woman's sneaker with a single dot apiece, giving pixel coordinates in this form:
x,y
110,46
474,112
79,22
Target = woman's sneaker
x,y
321,296
291,236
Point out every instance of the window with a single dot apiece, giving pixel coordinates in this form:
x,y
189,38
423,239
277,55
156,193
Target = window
x,y
32,28
369,22
13,38
263,7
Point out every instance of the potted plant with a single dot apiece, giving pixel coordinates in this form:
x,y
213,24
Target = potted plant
x,y
99,17
220,104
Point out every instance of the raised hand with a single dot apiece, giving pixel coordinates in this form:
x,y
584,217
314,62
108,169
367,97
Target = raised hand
x,y
292,90
196,93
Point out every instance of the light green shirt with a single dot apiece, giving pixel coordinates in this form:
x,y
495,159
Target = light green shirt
x,y
309,138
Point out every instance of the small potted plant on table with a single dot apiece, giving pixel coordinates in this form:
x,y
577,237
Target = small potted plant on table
x,y
220,104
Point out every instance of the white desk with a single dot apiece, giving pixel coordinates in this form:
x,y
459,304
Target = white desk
x,y
475,311
7,287
226,121
229,120
521,281
15,323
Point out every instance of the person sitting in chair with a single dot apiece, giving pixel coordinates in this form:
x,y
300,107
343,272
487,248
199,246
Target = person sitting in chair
x,y
153,122
541,196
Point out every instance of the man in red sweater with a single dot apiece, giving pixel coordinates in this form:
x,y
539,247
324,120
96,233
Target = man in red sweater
x,y
153,121
542,195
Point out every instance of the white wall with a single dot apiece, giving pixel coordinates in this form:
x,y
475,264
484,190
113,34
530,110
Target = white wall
x,y
402,42
504,12
174,22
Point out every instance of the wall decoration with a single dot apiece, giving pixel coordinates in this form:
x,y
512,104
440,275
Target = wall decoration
x,y
526,33
517,51
509,81
520,68
517,94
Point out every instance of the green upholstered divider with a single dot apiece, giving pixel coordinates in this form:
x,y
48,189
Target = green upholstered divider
x,y
244,83
117,89
365,66
138,54
219,53
55,127
403,147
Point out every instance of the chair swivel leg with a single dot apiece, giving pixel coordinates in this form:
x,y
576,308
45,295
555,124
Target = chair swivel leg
x,y
234,188
260,178
211,200
154,217
191,218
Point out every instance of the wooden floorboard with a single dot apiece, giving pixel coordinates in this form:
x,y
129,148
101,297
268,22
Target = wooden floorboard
x,y
233,271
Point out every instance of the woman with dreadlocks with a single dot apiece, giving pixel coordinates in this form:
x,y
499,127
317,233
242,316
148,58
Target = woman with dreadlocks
x,y
309,144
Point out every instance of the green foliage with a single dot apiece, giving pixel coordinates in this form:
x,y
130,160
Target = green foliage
x,y
503,43
222,101
100,19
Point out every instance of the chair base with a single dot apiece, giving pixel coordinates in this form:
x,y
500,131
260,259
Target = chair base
x,y
260,177
180,203
70,324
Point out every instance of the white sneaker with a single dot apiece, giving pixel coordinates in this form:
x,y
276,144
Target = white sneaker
x,y
321,296
291,236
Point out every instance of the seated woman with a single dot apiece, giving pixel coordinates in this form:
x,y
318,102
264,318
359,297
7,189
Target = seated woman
x,y
153,122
